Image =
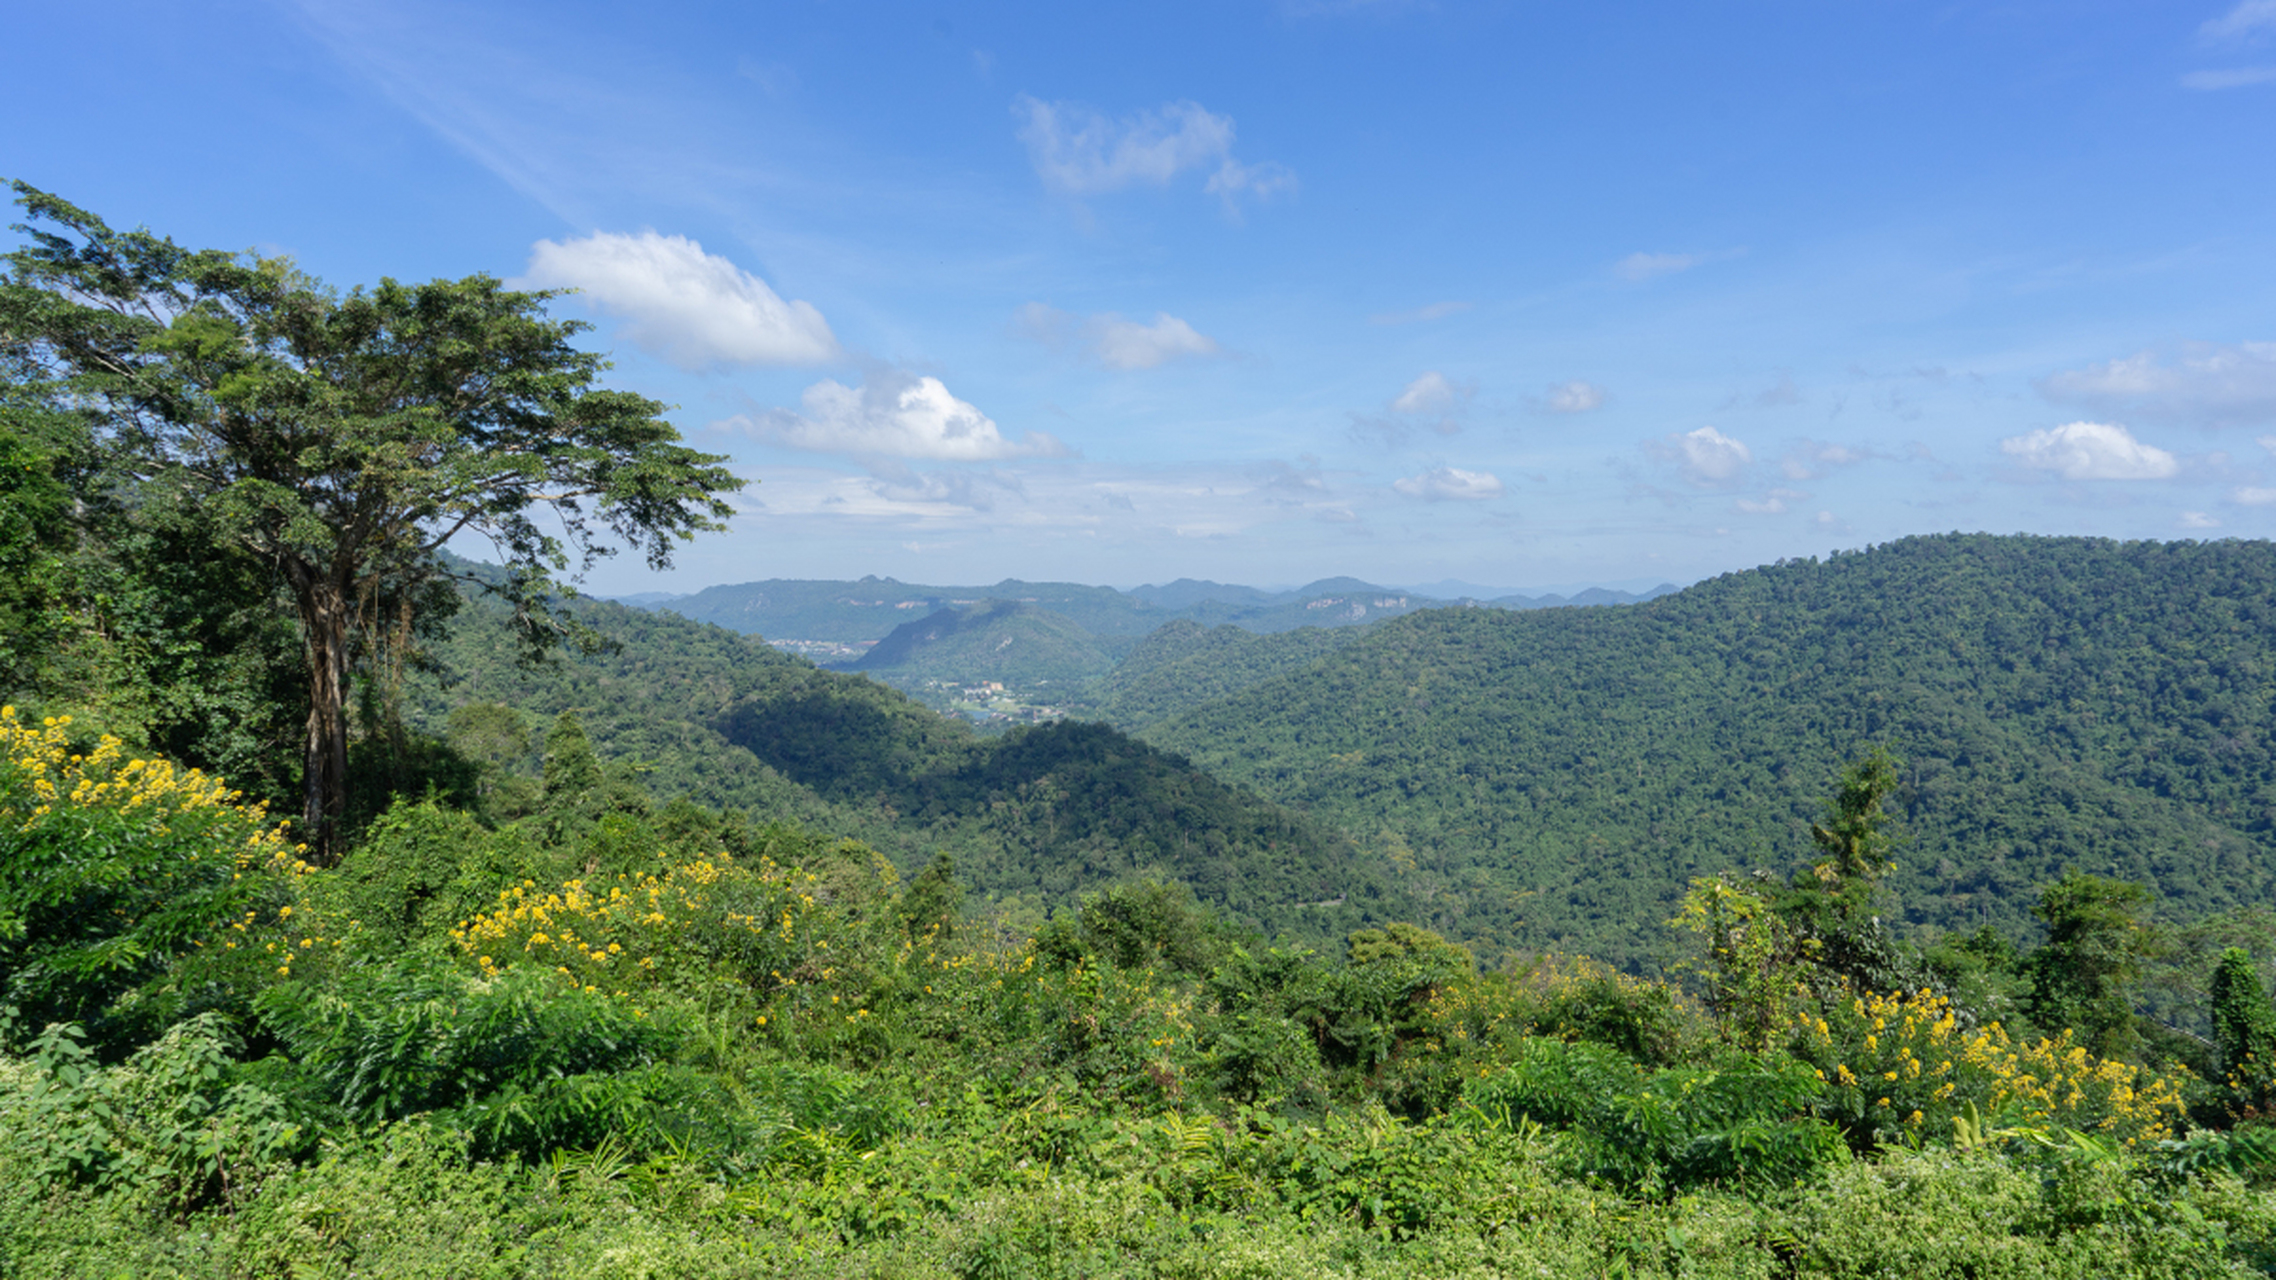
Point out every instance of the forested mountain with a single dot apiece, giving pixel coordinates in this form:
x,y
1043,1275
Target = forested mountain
x,y
994,640
787,609
1556,776
1186,665
1044,814
793,609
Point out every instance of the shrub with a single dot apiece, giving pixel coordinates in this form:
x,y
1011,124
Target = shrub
x,y
111,868
1903,1064
523,1060
1742,1120
167,1117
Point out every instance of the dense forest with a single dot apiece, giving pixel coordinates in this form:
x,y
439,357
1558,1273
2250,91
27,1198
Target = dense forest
x,y
1558,776
1032,819
607,943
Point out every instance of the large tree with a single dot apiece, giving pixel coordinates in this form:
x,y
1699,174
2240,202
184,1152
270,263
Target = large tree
x,y
346,438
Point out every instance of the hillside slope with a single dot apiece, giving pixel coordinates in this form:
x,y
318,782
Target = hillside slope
x,y
1047,813
1186,665
1555,776
995,640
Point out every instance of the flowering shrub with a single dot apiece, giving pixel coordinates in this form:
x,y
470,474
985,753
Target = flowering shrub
x,y
683,923
1901,1062
110,867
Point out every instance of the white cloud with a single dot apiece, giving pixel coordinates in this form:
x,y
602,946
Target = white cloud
x,y
694,309
1773,503
1234,179
2198,520
2227,78
1573,397
2266,442
894,415
1115,342
1450,483
1435,311
1431,402
1810,459
1127,344
2248,16
2249,496
2205,383
1080,151
1430,393
1706,457
2090,451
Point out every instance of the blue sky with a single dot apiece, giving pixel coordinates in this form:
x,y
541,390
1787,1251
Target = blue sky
x,y
1519,294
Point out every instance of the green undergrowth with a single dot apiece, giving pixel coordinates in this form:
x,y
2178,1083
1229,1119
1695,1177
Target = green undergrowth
x,y
611,1038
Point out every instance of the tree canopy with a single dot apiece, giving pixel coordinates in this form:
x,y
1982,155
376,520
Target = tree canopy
x,y
344,439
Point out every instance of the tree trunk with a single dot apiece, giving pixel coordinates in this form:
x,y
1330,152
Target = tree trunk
x,y
324,625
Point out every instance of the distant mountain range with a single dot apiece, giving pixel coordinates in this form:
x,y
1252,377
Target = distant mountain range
x,y
871,608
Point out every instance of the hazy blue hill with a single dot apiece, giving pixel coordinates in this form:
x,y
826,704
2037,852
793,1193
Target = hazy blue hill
x,y
996,640
1185,593
786,609
1332,587
1592,596
1557,774
1334,609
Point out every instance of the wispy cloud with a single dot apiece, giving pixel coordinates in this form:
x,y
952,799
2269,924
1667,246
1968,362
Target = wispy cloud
x,y
1080,151
695,309
1774,503
1810,459
1116,342
2247,18
1432,402
1450,484
1782,394
1430,393
1435,311
2202,384
1576,396
1639,267
893,415
2090,451
2227,78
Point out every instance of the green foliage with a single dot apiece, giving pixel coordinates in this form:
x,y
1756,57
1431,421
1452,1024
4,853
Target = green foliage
x,y
421,867
572,771
1185,665
930,905
1143,925
524,1062
1048,813
2244,1029
111,870
2083,978
1758,974
341,439
1742,1120
168,1117
1560,775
